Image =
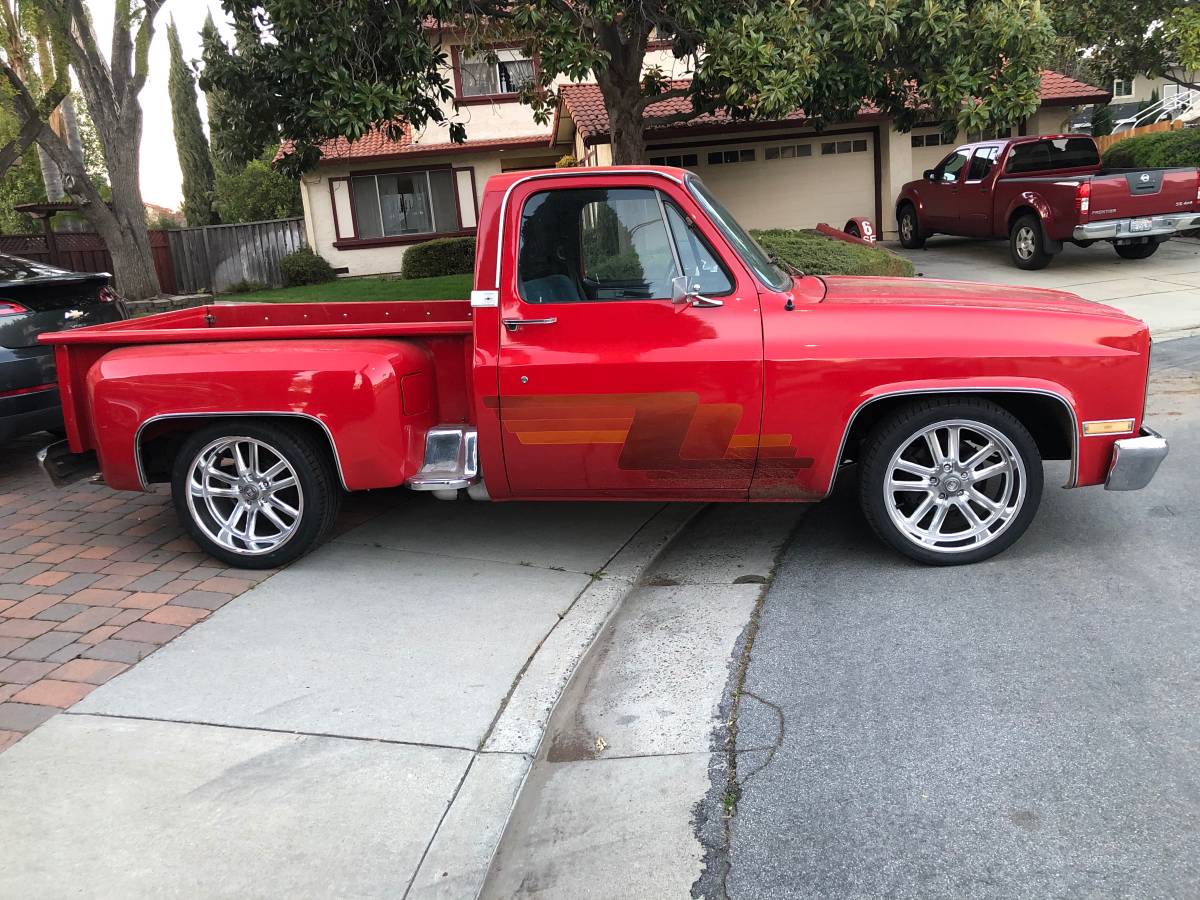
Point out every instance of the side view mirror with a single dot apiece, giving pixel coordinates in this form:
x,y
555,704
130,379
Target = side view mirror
x,y
930,175
685,293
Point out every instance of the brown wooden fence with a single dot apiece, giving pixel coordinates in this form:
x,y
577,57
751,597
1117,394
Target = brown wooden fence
x,y
188,260
1106,141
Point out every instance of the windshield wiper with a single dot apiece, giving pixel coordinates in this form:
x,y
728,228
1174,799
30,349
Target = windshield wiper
x,y
785,265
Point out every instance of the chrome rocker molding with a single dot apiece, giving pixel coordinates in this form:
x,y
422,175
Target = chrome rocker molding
x,y
1121,228
275,414
1135,460
934,392
451,463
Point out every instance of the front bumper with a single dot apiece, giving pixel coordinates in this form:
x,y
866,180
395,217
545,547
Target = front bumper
x,y
1121,229
1135,460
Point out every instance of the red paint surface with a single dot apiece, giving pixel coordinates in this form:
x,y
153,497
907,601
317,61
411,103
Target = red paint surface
x,y
641,399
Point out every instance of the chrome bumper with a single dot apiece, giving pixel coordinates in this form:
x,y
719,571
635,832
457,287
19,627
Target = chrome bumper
x,y
1119,229
1135,460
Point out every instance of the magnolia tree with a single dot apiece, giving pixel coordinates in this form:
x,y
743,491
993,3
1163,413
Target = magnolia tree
x,y
320,71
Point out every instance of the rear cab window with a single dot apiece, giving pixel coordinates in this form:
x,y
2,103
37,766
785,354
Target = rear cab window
x,y
1051,155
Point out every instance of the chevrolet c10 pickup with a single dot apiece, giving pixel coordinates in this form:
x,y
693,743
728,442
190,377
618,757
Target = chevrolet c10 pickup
x,y
1041,192
625,340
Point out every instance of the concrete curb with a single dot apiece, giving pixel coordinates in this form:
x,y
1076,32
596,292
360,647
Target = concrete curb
x,y
460,854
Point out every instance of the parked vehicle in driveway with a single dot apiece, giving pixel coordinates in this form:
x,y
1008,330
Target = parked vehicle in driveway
x,y
626,340
36,298
1041,192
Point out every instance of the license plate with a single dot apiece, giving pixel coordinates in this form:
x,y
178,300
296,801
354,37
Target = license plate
x,y
1136,225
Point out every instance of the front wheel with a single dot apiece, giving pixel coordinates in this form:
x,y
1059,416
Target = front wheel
x,y
910,229
1136,251
950,482
255,495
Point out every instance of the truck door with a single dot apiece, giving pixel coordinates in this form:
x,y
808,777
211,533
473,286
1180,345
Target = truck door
x,y
941,193
975,196
607,387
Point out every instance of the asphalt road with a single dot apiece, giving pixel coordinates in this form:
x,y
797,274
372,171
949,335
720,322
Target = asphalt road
x,y
1027,727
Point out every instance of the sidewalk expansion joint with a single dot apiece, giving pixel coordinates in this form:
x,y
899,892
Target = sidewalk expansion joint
x,y
480,559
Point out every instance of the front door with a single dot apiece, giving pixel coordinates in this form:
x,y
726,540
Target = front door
x,y
940,195
607,388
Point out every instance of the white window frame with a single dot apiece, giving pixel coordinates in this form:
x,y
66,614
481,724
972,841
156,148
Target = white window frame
x,y
1117,82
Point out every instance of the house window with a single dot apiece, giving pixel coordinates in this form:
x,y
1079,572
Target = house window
x,y
479,76
721,157
829,148
1123,87
405,203
682,161
927,140
789,151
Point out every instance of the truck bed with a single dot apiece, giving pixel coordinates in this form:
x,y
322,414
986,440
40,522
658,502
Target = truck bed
x,y
258,321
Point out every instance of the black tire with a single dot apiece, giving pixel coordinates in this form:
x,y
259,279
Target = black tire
x,y
911,237
1136,251
317,489
899,430
1027,244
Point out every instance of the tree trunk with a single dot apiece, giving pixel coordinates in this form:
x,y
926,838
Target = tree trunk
x,y
621,86
626,128
125,234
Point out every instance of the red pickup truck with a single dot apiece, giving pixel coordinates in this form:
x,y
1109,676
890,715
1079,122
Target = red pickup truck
x,y
1042,191
625,340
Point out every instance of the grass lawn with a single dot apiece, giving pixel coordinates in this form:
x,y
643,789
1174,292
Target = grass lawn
x,y
446,287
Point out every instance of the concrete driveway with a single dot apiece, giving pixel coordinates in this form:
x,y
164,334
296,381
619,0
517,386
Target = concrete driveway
x,y
1163,291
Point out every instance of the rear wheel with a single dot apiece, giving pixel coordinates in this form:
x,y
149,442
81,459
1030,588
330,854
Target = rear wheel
x,y
1136,251
950,482
253,494
1027,244
910,229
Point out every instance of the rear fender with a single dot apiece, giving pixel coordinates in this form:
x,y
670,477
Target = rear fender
x,y
373,400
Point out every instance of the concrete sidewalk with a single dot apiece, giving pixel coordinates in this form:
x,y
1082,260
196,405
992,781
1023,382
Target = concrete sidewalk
x,y
357,725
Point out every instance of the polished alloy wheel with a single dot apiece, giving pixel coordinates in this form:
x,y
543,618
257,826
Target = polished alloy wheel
x,y
954,486
244,495
906,226
1026,242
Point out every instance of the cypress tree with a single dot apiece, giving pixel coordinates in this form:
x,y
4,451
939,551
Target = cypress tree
x,y
190,142
222,144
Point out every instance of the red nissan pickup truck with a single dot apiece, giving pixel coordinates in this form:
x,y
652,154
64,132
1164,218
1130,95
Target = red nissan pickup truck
x,y
1043,191
625,340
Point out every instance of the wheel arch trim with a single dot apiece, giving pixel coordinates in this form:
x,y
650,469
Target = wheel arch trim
x,y
240,414
940,391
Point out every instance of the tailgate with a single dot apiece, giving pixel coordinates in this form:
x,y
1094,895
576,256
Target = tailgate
x,y
1129,193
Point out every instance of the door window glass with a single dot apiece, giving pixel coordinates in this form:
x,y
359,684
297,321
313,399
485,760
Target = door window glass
x,y
700,264
601,245
948,168
982,163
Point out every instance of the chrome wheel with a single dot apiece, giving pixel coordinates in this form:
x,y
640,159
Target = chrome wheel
x,y
244,495
1025,242
906,226
954,486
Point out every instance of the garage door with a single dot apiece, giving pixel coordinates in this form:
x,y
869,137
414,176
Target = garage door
x,y
793,183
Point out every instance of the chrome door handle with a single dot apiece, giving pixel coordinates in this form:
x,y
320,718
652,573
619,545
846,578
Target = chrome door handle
x,y
514,324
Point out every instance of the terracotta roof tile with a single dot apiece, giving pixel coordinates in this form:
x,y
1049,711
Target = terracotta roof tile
x,y
376,146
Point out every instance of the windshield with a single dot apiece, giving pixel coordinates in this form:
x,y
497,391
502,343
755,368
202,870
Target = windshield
x,y
747,248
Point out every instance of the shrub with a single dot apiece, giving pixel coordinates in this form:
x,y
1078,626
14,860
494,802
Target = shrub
x,y
1163,148
444,256
246,286
815,254
305,267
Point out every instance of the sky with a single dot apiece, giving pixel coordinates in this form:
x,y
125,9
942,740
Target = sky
x,y
161,181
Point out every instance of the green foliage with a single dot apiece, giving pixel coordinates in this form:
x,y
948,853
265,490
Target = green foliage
x,y
1123,38
22,183
356,290
1163,148
190,142
246,286
222,136
305,267
1102,121
815,254
310,70
255,192
443,256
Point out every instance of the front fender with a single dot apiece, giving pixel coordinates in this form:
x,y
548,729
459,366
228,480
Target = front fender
x,y
374,399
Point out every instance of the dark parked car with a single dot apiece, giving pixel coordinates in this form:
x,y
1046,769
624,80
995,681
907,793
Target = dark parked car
x,y
35,298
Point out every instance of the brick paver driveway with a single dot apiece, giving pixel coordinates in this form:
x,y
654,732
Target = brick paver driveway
x,y
91,581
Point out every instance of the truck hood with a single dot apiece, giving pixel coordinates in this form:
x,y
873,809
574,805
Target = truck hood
x,y
935,292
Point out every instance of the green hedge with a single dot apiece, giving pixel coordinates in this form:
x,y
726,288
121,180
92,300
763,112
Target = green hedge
x,y
305,267
815,254
444,256
1162,149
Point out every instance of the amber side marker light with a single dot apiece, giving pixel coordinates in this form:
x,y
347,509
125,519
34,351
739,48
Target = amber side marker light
x,y
1108,426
